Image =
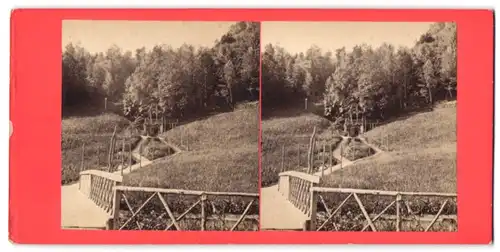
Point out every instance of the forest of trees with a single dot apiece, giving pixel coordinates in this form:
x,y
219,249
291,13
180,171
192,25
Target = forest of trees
x,y
368,83
172,81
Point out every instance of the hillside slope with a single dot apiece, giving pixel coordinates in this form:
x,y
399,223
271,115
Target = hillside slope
x,y
291,130
420,156
93,131
222,155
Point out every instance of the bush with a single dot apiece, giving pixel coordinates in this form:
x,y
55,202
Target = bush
x,y
154,148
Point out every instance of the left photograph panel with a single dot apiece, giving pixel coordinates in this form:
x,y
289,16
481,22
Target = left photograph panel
x,y
160,125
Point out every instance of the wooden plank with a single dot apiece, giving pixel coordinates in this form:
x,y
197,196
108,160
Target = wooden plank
x,y
183,192
103,174
304,176
170,214
378,192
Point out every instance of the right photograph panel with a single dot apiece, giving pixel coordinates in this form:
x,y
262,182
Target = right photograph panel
x,y
359,126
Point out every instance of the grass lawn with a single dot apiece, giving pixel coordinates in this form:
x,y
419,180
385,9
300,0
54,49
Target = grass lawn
x,y
292,130
421,156
432,170
232,170
95,132
417,132
222,156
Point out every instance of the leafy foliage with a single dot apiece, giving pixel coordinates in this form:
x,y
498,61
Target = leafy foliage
x,y
365,83
167,81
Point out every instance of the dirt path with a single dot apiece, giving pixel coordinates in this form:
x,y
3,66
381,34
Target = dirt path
x,y
143,161
344,161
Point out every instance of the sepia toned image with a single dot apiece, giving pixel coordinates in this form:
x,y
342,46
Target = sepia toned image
x,y
160,125
359,126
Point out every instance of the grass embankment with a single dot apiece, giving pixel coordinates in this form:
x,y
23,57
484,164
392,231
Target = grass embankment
x,y
95,132
420,157
222,156
292,130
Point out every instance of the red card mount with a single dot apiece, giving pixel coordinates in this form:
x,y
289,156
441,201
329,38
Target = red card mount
x,y
35,144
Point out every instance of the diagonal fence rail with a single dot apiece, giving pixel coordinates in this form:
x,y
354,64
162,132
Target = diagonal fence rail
x,y
144,208
373,210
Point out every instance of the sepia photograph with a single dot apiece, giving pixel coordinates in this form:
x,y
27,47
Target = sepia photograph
x,y
359,126
160,125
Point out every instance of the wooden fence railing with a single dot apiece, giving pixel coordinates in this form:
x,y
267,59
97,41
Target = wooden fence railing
x,y
295,186
98,186
403,210
199,200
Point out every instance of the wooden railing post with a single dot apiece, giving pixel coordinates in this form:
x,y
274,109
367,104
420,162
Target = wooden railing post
x,y
310,157
111,150
323,161
98,156
83,158
298,155
123,155
313,208
398,214
282,158
203,214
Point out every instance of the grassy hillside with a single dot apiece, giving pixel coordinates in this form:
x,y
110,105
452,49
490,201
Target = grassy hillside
x,y
420,156
95,132
290,129
222,156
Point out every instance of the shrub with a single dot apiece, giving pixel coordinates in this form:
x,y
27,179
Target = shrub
x,y
154,148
